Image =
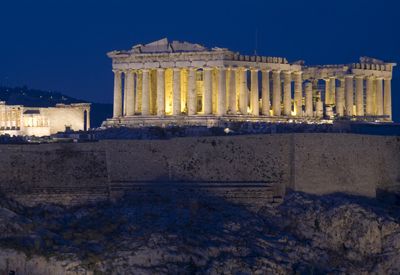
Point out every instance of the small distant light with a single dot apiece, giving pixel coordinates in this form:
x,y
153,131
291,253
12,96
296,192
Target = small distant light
x,y
227,130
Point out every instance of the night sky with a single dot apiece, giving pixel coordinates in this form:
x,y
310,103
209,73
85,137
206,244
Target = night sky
x,y
61,45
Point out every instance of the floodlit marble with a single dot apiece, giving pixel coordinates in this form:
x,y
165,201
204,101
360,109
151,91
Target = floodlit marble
x,y
19,120
176,81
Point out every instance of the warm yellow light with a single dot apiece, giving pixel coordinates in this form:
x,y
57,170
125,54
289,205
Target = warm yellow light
x,y
168,91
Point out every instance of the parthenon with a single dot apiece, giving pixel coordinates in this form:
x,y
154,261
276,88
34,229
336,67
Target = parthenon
x,y
188,84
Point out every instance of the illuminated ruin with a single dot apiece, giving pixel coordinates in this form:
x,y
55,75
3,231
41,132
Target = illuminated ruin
x,y
163,83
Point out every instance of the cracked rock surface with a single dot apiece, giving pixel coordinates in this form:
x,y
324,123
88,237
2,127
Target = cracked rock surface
x,y
169,233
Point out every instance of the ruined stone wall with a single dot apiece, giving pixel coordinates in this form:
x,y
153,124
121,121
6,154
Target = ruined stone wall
x,y
245,169
66,173
356,164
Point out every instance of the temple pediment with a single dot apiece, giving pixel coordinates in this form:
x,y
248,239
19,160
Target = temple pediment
x,y
165,46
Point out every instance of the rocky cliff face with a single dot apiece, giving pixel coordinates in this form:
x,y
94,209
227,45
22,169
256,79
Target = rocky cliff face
x,y
168,233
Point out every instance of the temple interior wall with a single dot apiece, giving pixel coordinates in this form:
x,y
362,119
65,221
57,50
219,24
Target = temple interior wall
x,y
168,91
227,166
153,92
61,117
37,131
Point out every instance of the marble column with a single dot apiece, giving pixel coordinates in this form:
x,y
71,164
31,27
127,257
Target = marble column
x,y
332,84
138,91
87,119
265,93
359,95
130,95
192,96
387,99
221,95
243,98
255,105
287,93
308,100
176,92
349,94
146,92
369,109
327,91
340,98
125,94
319,108
232,91
276,92
207,96
160,92
379,96
298,93
117,111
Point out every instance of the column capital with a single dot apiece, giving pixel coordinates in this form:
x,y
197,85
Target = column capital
x,y
208,68
387,78
287,72
175,69
276,71
253,69
349,76
359,76
160,69
192,68
370,77
287,76
145,70
379,78
115,71
298,73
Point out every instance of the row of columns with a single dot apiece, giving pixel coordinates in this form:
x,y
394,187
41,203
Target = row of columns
x,y
207,95
10,118
377,97
350,100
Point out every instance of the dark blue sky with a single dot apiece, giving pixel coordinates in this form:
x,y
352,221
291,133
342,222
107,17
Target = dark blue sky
x,y
61,45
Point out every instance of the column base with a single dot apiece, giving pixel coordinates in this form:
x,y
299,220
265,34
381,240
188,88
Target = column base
x,y
203,120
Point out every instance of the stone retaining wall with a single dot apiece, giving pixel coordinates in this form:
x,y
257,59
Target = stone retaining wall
x,y
252,169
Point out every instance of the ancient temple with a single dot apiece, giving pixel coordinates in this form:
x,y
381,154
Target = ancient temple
x,y
163,83
18,120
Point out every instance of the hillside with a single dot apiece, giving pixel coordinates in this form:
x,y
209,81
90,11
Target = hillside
x,y
38,98
307,234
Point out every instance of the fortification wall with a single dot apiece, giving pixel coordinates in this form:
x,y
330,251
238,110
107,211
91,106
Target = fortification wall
x,y
245,169
66,173
355,164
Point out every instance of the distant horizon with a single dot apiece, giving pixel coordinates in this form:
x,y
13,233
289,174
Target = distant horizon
x,y
52,91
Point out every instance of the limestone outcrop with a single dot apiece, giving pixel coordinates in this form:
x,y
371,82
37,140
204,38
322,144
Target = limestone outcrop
x,y
170,233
